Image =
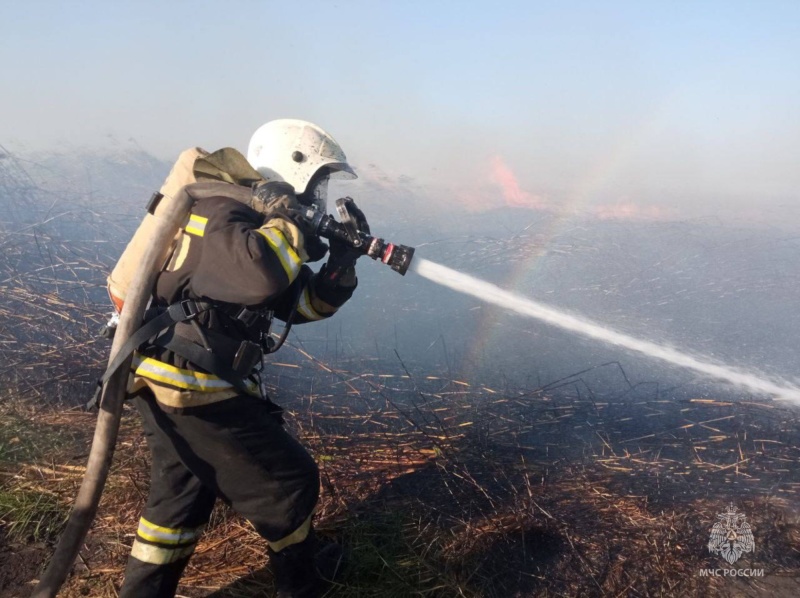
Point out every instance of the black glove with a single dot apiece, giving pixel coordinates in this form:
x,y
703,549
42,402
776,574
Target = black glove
x,y
356,216
342,260
276,199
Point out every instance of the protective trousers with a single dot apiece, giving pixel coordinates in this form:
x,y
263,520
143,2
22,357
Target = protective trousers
x,y
236,450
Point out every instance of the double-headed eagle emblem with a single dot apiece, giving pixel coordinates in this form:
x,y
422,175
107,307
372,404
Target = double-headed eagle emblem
x,y
731,536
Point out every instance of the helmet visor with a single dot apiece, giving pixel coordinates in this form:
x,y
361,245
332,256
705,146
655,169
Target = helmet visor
x,y
317,195
341,170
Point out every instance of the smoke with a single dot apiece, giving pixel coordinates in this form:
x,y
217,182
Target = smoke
x,y
514,196
382,190
626,210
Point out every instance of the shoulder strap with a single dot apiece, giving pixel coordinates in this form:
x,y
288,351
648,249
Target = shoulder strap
x,y
177,312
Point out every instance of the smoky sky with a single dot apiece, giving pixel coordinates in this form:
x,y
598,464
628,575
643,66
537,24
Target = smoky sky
x,y
671,109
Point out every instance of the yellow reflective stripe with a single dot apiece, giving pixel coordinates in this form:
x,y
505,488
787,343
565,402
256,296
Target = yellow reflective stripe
x,y
306,309
152,369
290,261
297,536
157,555
197,225
163,372
167,535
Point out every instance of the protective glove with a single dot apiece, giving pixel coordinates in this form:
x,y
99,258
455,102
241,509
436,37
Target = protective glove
x,y
340,267
276,199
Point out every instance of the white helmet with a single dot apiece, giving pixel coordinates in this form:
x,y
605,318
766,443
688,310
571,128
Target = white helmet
x,y
293,151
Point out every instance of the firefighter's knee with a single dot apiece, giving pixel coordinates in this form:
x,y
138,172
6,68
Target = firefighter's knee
x,y
284,518
298,517
308,505
305,491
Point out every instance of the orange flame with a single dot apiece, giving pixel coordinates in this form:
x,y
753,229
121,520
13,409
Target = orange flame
x,y
514,196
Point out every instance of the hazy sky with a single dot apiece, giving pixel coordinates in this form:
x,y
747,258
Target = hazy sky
x,y
662,104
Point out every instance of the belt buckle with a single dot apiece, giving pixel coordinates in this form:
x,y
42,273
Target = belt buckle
x,y
247,358
190,308
247,317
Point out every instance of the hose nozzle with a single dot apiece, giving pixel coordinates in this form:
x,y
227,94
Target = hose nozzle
x,y
397,257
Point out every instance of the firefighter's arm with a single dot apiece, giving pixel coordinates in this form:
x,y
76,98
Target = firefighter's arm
x,y
330,288
319,298
322,294
244,261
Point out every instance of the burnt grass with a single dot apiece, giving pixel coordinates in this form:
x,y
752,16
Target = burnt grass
x,y
441,487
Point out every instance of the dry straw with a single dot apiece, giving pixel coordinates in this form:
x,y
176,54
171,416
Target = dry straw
x,y
438,486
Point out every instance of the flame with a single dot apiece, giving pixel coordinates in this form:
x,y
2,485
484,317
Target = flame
x,y
514,196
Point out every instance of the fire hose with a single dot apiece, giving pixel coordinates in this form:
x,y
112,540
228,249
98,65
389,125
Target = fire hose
x,y
113,395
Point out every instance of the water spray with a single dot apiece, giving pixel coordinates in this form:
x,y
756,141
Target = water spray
x,y
401,258
485,291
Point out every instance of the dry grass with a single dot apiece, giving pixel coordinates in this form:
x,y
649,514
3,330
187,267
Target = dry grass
x,y
442,488
437,487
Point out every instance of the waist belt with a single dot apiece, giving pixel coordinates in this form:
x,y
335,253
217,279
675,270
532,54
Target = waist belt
x,y
230,360
245,357
242,355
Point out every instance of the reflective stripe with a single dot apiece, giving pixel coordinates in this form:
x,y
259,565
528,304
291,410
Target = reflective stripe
x,y
305,309
152,369
289,259
297,536
157,555
197,225
167,535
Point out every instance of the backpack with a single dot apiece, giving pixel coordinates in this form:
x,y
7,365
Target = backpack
x,y
193,165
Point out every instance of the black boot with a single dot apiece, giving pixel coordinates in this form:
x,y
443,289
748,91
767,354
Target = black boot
x,y
330,560
294,570
145,580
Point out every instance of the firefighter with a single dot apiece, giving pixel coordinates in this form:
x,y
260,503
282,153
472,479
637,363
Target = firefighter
x,y
210,433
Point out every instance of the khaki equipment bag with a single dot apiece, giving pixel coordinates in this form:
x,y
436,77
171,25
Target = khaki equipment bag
x,y
193,165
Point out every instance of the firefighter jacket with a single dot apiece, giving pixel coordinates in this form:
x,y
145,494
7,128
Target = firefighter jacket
x,y
235,257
